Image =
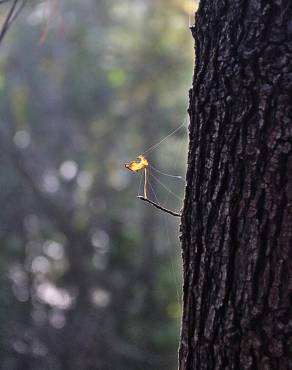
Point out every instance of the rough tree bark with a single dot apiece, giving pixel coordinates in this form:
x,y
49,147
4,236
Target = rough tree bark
x,y
237,217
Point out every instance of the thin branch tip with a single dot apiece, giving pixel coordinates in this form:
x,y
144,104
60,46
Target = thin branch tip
x,y
175,214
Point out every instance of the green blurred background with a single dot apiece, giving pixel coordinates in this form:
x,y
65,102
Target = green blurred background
x,y
89,275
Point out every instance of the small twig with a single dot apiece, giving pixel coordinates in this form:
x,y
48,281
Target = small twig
x,y
11,16
16,13
159,207
7,20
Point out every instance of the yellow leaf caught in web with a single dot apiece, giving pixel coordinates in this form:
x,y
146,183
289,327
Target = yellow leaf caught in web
x,y
142,164
137,166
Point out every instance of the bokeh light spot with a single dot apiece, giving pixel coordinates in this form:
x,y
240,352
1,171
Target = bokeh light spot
x,y
22,139
68,170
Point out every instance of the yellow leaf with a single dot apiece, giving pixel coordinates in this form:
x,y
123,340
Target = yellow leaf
x,y
137,166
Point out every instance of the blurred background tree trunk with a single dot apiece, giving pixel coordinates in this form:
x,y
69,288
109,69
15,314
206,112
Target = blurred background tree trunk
x,y
237,219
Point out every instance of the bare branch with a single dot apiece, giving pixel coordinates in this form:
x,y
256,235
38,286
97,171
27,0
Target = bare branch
x,y
11,15
159,207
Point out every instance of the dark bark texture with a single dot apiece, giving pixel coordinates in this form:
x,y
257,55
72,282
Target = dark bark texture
x,y
237,219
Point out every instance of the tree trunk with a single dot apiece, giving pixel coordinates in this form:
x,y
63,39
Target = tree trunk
x,y
237,217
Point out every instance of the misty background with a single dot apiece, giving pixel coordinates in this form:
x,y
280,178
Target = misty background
x,y
90,276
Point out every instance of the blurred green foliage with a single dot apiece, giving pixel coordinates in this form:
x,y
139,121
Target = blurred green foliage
x,y
90,276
